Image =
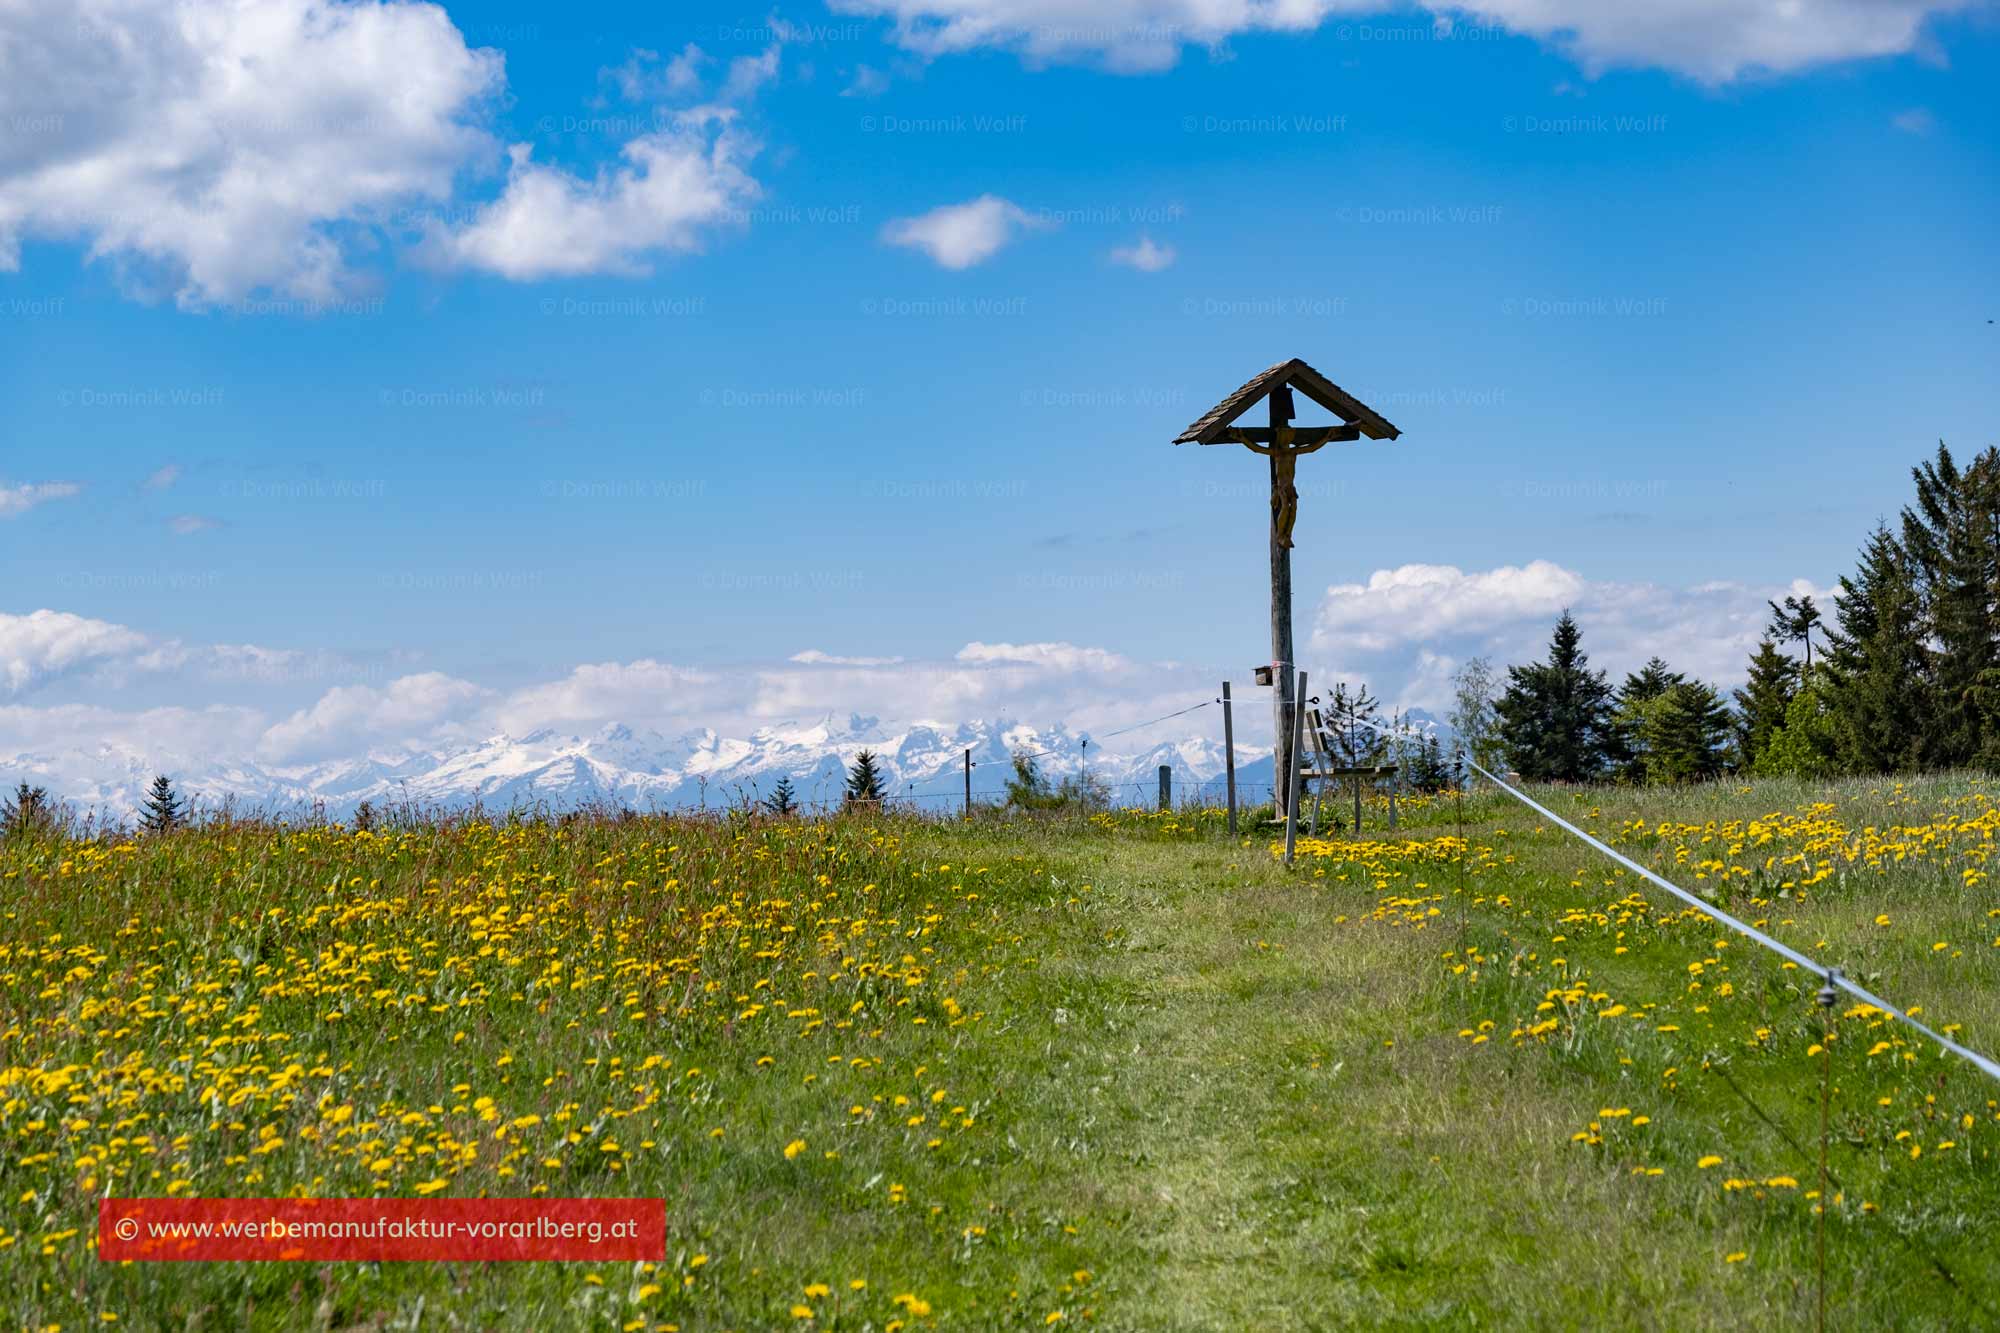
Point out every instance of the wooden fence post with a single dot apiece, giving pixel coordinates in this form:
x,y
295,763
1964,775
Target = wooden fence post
x,y
1297,722
1229,754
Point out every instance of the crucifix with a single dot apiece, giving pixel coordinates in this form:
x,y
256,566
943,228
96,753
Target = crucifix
x,y
1283,444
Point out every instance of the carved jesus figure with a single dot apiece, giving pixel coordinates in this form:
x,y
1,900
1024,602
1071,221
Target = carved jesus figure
x,y
1284,458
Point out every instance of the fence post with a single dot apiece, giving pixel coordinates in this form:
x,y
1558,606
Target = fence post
x,y
968,784
1229,754
1297,722
1166,786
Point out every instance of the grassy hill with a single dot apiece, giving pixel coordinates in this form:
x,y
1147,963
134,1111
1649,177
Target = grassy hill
x,y
1124,1072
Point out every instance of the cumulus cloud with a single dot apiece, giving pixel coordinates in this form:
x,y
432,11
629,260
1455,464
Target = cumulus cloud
x,y
1145,255
212,148
1406,629
18,500
349,718
1417,603
958,236
646,690
671,188
46,643
1705,39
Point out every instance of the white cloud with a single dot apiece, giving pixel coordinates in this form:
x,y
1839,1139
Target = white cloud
x,y
867,82
1916,120
1406,629
350,717
646,77
814,657
151,738
958,236
163,478
213,148
1417,603
18,500
187,525
1146,256
747,74
49,643
674,185
1052,656
1711,40
643,691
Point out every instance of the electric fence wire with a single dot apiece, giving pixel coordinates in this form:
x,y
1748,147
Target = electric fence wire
x,y
1831,975
1136,726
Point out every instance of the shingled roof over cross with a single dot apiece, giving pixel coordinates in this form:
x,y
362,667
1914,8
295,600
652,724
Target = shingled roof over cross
x,y
1307,381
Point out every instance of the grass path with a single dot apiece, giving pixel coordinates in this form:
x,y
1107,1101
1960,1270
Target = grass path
x,y
1279,1130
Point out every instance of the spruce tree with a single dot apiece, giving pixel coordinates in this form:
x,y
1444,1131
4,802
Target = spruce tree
x,y
1761,703
864,782
163,811
28,812
1555,718
1949,536
1687,734
1428,772
1347,717
1875,663
1633,706
783,800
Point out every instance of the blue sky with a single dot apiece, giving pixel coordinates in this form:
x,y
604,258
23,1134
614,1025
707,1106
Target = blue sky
x,y
1667,304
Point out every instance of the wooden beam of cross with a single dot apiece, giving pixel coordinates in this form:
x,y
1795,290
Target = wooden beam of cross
x,y
1283,444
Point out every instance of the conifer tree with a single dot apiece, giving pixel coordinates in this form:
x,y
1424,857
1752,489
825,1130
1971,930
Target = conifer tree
x,y
1555,718
28,812
1633,705
1875,663
1686,734
1429,773
864,782
1794,622
163,811
783,800
1761,703
1347,715
1949,536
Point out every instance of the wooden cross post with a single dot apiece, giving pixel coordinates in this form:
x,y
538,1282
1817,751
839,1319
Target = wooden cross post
x,y
1284,511
1282,444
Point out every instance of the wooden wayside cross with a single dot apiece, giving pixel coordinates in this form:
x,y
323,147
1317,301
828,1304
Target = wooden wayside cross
x,y
1282,443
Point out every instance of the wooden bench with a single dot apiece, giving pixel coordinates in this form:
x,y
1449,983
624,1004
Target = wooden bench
x,y
1319,736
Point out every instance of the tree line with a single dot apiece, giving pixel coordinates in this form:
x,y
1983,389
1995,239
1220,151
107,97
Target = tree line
x,y
1906,676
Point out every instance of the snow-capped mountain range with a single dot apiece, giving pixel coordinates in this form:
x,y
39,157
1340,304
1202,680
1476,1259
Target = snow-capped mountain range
x,y
645,770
